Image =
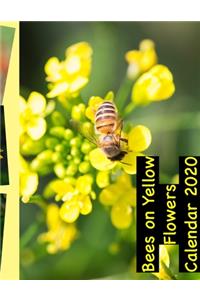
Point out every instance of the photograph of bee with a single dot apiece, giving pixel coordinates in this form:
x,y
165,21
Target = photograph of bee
x,y
2,217
99,96
106,133
6,40
4,176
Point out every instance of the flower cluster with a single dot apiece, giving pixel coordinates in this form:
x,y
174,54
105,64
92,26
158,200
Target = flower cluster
x,y
60,163
121,197
154,82
59,235
68,77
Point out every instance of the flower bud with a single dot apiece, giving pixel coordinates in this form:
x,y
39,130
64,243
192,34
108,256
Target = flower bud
x,y
68,134
59,169
58,119
51,142
76,141
71,169
45,156
86,147
84,167
57,131
74,151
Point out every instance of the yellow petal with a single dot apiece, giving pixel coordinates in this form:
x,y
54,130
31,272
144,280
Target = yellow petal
x,y
69,235
124,181
102,179
78,84
129,196
128,163
84,184
81,49
52,69
133,56
121,215
37,103
69,211
72,64
28,185
22,104
146,45
36,128
110,194
141,60
99,160
139,138
61,187
94,103
85,205
154,85
53,219
58,89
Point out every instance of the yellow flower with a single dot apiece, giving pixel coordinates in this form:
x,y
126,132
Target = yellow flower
x,y
60,235
32,113
139,139
141,60
164,261
68,77
95,102
102,179
121,196
28,181
76,195
154,85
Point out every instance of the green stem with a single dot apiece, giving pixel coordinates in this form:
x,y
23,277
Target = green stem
x,y
29,234
169,272
130,107
123,93
38,200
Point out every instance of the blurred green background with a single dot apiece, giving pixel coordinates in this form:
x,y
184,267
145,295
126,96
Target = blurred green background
x,y
175,127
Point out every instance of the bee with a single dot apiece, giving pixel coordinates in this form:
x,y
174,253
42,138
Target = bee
x,y
107,131
108,126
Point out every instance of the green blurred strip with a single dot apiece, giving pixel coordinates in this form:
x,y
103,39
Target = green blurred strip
x,y
2,216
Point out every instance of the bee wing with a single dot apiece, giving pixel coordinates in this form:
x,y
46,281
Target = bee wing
x,y
89,134
119,125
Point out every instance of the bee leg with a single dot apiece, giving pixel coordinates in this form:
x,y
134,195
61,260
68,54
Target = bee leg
x,y
125,163
124,140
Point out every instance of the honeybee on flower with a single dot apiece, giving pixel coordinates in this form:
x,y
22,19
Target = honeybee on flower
x,y
113,145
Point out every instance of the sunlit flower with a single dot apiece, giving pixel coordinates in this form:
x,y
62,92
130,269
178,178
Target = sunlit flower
x,y
68,77
32,113
28,181
121,196
60,235
141,60
154,85
76,194
139,139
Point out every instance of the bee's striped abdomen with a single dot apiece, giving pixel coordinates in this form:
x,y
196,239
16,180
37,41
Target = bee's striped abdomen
x,y
106,118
